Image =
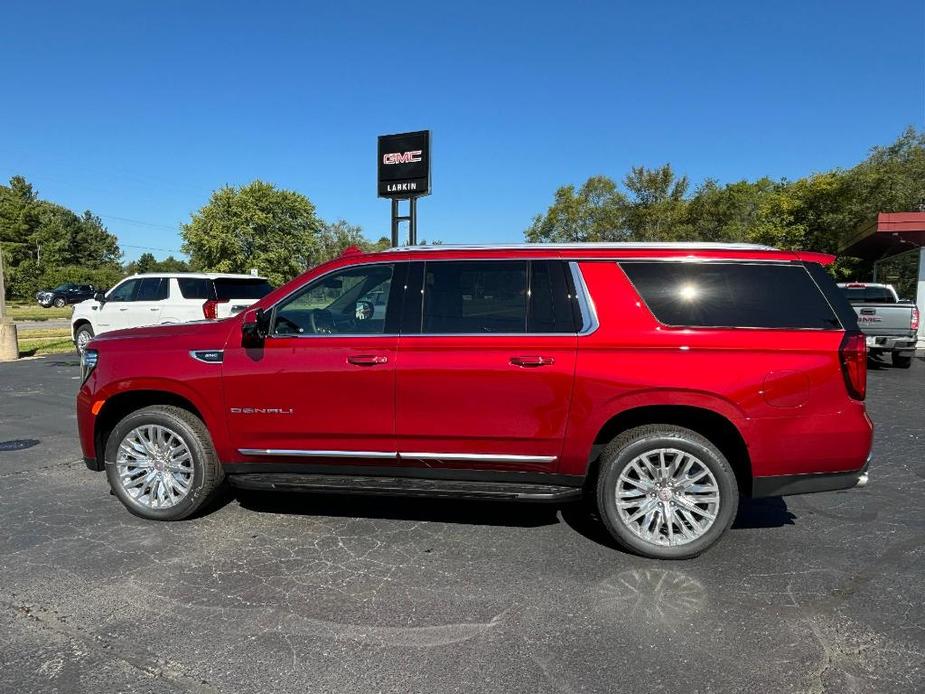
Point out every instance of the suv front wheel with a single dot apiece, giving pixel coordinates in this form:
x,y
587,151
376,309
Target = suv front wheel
x,y
161,463
665,492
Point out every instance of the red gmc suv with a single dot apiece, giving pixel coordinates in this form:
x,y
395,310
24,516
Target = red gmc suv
x,y
661,380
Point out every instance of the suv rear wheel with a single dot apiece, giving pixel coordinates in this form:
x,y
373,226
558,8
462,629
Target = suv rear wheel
x,y
161,463
665,492
901,361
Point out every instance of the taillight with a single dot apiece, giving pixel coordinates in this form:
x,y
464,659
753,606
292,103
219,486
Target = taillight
x,y
915,319
852,353
210,308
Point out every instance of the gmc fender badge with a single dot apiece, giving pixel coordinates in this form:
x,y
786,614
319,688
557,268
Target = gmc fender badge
x,y
261,410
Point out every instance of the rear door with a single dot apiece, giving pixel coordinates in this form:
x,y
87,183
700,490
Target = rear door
x,y
145,308
486,364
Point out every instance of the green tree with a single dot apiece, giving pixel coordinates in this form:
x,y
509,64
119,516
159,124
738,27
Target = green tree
x,y
253,226
595,212
39,236
656,209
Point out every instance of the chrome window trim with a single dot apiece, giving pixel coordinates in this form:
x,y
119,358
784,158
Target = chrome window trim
x,y
589,321
395,455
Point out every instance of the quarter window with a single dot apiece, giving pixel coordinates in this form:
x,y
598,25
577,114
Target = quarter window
x,y
731,295
352,302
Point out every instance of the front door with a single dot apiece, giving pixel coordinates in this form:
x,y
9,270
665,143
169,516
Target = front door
x,y
486,366
113,313
322,387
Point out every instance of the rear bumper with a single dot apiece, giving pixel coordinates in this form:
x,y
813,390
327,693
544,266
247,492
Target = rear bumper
x,y
787,485
891,344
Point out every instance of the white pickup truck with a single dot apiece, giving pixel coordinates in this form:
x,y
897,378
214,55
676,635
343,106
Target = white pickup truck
x,y
889,323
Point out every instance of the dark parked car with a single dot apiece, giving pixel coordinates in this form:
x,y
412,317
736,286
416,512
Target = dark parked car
x,y
64,294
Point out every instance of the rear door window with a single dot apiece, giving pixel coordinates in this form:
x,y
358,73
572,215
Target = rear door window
x,y
475,297
731,295
152,289
551,308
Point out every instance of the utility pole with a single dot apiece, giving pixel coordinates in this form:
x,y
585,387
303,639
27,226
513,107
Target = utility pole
x,y
9,344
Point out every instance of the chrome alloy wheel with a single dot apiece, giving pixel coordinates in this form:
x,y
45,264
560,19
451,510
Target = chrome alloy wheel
x,y
83,337
667,497
154,466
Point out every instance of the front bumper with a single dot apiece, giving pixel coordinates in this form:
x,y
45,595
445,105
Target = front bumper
x,y
787,485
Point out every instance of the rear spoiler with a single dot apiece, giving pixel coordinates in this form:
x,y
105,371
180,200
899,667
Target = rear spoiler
x,y
823,259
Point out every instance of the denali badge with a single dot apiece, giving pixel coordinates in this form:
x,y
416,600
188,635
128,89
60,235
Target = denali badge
x,y
261,410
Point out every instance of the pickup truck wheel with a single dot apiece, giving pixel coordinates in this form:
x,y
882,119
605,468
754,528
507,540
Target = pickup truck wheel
x,y
83,335
60,303
161,463
665,492
901,362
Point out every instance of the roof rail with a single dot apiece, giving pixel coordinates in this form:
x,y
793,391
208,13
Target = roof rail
x,y
681,245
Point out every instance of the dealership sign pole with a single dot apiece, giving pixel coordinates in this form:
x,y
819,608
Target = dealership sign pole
x,y
404,174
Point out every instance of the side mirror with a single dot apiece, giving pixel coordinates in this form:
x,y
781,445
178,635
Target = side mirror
x,y
255,328
100,296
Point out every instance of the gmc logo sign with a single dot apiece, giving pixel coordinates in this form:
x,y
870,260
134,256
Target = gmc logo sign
x,y
401,158
403,165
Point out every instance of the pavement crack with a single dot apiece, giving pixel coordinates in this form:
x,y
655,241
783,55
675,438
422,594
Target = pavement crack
x,y
150,665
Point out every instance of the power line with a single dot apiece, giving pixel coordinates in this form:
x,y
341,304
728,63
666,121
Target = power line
x,y
137,221
149,248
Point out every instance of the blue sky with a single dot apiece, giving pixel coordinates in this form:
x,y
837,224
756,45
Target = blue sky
x,y
139,110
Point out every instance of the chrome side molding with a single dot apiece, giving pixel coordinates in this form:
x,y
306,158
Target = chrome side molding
x,y
395,455
303,453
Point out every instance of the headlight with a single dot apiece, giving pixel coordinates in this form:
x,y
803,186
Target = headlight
x,y
88,361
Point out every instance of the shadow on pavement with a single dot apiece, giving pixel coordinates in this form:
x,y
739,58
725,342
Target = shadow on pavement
x,y
580,516
511,514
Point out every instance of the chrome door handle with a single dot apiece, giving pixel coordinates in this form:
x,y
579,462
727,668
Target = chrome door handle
x,y
124,309
529,362
367,359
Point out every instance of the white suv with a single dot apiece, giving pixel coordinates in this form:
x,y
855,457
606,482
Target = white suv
x,y
156,298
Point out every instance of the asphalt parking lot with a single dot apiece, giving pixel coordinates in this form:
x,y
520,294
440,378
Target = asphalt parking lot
x,y
304,593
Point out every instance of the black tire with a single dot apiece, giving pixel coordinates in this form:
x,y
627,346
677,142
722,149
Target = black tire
x,y
85,329
207,474
60,302
624,449
900,361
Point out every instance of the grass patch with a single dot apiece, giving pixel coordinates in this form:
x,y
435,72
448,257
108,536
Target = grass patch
x,y
38,347
37,333
21,312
